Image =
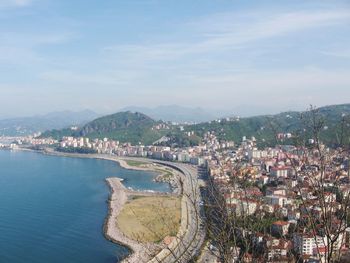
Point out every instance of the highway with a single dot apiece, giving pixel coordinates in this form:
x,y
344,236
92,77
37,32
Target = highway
x,y
189,244
192,235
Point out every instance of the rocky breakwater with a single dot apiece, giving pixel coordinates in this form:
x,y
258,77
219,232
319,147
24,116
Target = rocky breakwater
x,y
171,179
119,196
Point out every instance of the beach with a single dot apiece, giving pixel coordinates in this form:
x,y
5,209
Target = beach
x,y
140,252
119,195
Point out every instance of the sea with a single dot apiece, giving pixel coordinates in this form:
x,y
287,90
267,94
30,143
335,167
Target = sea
x,y
52,209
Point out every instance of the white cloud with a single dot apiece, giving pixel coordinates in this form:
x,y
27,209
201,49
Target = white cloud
x,y
279,88
215,61
340,53
24,49
231,31
11,55
174,70
33,40
282,79
15,3
74,78
21,2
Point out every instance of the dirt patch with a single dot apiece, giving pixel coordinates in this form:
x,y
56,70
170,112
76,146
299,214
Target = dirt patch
x,y
150,219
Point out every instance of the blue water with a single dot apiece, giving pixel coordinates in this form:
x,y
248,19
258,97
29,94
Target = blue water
x,y
52,209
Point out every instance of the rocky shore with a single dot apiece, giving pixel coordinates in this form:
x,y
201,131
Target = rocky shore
x,y
172,180
140,252
164,176
119,196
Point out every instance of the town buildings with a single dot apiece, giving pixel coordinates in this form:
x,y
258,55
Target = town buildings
x,y
274,184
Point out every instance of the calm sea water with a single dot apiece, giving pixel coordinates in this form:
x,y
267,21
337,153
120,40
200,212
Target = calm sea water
x,y
52,209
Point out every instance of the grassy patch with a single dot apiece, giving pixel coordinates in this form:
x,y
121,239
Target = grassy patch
x,y
135,163
166,173
150,219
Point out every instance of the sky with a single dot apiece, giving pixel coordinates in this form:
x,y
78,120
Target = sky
x,y
231,55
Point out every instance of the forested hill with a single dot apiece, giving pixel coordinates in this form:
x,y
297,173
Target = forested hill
x,y
122,126
264,127
138,127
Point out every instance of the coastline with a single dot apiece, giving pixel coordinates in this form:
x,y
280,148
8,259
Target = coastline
x,y
174,182
119,195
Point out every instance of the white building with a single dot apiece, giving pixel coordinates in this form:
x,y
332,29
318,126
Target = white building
x,y
305,244
278,172
276,200
183,157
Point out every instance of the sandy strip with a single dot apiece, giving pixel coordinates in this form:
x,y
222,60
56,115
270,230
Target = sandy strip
x,y
140,252
118,197
122,160
124,164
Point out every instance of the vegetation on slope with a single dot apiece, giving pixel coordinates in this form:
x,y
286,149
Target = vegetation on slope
x,y
122,126
80,150
137,127
58,134
264,128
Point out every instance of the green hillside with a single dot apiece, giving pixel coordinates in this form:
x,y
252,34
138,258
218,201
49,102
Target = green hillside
x,y
125,127
122,126
264,127
137,127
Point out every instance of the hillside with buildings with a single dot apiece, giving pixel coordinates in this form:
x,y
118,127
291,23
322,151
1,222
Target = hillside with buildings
x,y
284,125
122,126
139,128
291,197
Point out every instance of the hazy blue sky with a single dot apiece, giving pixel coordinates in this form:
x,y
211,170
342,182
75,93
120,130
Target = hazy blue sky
x,y
107,54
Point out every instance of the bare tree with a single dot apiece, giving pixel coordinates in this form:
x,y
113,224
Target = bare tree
x,y
322,193
324,206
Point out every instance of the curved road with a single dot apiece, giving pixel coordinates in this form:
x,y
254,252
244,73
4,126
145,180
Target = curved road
x,y
189,243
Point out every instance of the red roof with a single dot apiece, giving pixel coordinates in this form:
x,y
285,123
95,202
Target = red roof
x,y
281,223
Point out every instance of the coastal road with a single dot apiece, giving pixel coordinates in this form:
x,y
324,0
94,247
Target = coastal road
x,y
190,239
191,236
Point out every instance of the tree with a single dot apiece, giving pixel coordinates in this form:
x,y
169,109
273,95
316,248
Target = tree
x,y
322,172
321,195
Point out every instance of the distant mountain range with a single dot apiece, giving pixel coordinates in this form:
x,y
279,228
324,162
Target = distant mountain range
x,y
138,127
55,120
175,113
59,120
